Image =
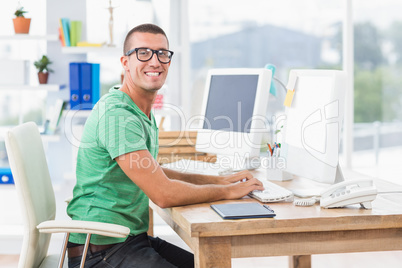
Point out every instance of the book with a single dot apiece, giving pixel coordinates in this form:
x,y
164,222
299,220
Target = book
x,y
243,211
87,44
75,32
66,30
61,33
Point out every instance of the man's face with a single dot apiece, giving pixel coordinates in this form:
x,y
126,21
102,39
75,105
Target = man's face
x,y
150,75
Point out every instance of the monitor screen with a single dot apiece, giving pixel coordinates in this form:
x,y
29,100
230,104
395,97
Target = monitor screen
x,y
230,103
234,112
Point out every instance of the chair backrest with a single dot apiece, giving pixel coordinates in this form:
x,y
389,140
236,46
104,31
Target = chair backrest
x,y
34,189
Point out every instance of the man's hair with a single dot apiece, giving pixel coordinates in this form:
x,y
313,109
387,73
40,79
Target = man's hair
x,y
142,28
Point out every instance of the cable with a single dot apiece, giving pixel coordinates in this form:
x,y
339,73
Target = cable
x,y
273,68
282,84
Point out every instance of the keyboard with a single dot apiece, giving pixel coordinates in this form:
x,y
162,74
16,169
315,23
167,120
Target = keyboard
x,y
272,192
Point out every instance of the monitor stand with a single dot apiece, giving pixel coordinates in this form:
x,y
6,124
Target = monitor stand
x,y
316,188
339,175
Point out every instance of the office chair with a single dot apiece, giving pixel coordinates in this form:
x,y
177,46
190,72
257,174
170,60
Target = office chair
x,y
35,192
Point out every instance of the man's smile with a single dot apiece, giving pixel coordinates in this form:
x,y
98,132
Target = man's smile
x,y
154,74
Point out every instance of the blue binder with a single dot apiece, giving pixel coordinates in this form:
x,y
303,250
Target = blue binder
x,y
95,83
6,177
86,86
75,98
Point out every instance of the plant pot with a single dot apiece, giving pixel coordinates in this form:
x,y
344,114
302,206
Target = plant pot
x,y
43,78
21,25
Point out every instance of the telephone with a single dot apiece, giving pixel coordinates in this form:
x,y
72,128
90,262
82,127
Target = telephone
x,y
349,192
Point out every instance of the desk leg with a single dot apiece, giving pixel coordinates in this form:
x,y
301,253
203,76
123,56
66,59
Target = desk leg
x,y
151,222
213,252
301,261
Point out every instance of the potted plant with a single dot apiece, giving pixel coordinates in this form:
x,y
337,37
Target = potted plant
x,y
43,69
21,24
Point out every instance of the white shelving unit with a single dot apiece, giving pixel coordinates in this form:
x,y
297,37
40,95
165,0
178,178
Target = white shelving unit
x,y
47,87
84,50
76,113
37,87
25,37
28,37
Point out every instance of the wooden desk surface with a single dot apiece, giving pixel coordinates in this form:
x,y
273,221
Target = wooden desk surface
x,y
295,230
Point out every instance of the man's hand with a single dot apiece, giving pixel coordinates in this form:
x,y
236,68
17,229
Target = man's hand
x,y
243,187
240,184
236,177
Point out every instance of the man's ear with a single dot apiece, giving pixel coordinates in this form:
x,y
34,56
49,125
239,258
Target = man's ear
x,y
124,63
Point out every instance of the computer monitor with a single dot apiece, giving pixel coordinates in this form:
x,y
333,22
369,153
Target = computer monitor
x,y
313,124
234,116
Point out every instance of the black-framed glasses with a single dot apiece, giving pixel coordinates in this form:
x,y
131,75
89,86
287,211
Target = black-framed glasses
x,y
145,54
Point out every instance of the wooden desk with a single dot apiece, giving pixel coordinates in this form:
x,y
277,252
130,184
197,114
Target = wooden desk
x,y
297,232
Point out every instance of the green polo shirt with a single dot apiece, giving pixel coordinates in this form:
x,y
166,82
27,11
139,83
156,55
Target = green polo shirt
x,y
103,192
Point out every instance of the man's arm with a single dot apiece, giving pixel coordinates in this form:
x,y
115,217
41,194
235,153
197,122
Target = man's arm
x,y
207,179
145,172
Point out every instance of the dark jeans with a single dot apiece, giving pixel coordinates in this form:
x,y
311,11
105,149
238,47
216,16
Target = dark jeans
x,y
138,251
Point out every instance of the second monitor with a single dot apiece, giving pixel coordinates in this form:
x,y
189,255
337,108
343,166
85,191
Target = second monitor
x,y
313,126
233,117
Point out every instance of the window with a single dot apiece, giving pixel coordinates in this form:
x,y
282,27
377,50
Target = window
x,y
378,87
308,34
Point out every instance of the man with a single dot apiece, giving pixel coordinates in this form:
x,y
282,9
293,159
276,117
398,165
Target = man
x,y
117,171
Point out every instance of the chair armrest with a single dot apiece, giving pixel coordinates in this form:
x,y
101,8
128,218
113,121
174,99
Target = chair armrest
x,y
83,227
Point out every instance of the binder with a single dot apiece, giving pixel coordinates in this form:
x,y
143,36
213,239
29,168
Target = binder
x,y
75,97
86,86
236,211
6,177
95,83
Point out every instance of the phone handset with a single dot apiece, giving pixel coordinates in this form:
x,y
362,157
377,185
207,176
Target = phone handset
x,y
357,191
